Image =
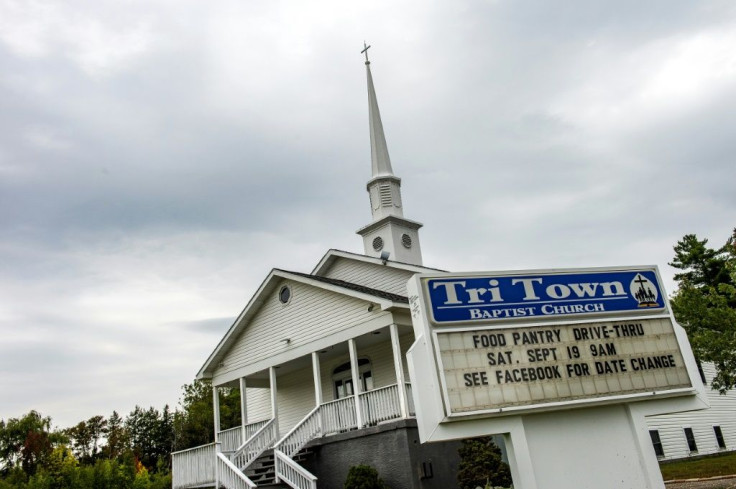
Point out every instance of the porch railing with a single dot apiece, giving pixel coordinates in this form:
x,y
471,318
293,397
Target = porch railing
x,y
229,476
339,416
410,400
254,446
252,428
308,428
193,467
230,439
380,404
292,473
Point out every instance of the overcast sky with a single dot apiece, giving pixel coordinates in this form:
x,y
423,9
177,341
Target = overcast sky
x,y
158,158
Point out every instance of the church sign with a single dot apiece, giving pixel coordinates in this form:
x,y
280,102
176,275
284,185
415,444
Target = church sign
x,y
491,298
511,342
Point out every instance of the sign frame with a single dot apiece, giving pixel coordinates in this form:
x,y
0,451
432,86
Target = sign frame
x,y
421,308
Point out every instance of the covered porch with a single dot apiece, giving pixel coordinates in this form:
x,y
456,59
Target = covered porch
x,y
349,385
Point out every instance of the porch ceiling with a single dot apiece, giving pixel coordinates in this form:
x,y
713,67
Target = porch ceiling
x,y
381,335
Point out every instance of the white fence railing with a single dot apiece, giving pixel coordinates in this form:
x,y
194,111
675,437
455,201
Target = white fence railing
x,y
410,400
292,473
252,428
308,429
193,467
229,476
380,405
255,445
339,416
230,439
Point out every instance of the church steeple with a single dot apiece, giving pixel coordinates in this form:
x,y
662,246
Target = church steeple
x,y
389,231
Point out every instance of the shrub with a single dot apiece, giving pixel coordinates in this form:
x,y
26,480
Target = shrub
x,y
363,477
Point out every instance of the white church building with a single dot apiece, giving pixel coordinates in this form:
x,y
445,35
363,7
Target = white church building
x,y
319,359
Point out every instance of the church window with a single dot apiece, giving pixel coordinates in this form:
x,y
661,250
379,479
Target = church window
x,y
656,443
378,243
284,295
406,240
690,437
342,378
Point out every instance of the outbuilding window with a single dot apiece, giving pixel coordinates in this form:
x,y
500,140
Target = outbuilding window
x,y
719,437
690,440
656,442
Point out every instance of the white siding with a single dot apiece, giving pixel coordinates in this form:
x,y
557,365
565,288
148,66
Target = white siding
x,y
722,413
370,275
311,314
295,397
258,403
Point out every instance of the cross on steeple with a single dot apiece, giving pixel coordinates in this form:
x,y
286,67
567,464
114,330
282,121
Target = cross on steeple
x,y
365,51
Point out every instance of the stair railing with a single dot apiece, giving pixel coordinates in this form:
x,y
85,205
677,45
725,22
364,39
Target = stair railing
x,y
286,468
229,476
254,446
307,429
292,473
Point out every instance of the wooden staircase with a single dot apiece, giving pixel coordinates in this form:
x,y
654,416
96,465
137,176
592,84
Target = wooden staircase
x,y
263,472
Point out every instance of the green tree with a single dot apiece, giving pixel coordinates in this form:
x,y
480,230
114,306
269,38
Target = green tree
x,y
194,423
26,442
481,464
117,437
705,303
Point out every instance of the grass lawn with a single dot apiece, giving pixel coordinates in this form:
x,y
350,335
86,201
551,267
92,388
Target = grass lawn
x,y
710,466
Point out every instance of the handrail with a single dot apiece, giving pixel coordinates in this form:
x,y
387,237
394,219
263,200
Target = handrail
x,y
307,429
292,473
254,446
229,475
194,448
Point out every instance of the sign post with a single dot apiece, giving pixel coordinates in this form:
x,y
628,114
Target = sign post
x,y
565,364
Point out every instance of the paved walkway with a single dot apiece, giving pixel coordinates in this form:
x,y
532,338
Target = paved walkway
x,y
726,482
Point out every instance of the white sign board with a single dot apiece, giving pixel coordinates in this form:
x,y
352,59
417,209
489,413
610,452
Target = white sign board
x,y
491,370
507,342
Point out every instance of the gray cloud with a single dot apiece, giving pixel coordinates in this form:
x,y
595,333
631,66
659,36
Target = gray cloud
x,y
155,163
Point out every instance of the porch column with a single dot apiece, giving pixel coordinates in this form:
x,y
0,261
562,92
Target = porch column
x,y
243,409
216,410
317,379
316,372
399,366
274,405
356,381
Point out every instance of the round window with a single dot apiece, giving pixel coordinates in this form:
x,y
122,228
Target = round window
x,y
378,243
406,240
284,294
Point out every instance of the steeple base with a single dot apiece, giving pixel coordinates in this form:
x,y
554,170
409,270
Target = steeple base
x,y
397,236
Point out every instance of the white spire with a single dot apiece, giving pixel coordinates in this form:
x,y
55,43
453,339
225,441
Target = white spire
x,y
380,161
389,231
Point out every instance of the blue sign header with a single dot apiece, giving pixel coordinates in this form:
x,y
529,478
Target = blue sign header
x,y
503,297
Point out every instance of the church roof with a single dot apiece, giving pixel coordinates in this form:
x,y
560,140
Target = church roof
x,y
334,254
385,300
355,287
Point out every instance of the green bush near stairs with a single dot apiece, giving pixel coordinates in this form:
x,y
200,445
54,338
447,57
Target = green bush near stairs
x,y
363,477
